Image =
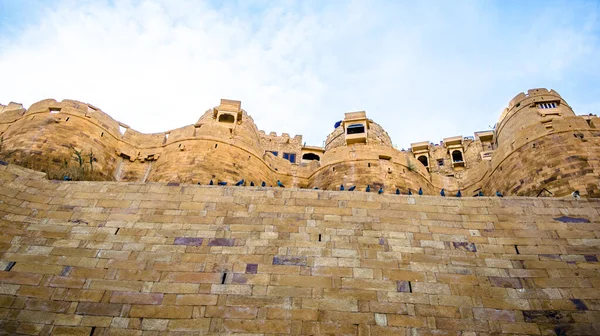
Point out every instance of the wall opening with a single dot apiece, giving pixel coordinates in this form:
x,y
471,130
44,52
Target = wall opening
x,y
457,156
546,105
290,157
54,110
311,156
226,118
423,160
355,129
440,162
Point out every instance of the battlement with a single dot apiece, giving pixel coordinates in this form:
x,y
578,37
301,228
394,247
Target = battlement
x,y
225,144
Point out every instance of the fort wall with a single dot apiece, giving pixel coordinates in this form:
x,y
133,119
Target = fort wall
x,y
116,258
539,147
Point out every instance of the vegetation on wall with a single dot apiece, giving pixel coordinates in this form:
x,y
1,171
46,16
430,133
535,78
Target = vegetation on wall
x,y
79,166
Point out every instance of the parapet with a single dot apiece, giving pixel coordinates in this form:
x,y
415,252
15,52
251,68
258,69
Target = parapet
x,y
10,107
532,92
355,115
484,136
283,138
230,105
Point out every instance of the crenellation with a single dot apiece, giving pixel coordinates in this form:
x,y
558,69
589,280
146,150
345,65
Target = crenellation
x,y
538,145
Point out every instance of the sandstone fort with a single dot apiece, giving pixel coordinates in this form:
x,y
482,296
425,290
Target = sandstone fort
x,y
108,231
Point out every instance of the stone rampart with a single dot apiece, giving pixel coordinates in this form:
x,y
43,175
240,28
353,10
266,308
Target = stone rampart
x,y
110,258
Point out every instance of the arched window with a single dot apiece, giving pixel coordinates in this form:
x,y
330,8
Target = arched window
x,y
226,118
457,156
355,129
423,160
311,156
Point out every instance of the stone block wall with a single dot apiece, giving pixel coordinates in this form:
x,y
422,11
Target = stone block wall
x,y
108,258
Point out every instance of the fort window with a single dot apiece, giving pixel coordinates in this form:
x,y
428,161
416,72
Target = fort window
x,y
290,157
226,118
273,152
311,156
54,110
385,157
355,129
440,162
457,156
546,105
423,160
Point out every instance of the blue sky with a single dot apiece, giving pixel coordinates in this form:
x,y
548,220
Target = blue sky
x,y
424,70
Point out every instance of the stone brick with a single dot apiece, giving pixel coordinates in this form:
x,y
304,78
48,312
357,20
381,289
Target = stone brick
x,y
99,309
136,298
231,312
289,291
188,241
194,325
303,281
161,311
231,289
196,300
289,260
257,326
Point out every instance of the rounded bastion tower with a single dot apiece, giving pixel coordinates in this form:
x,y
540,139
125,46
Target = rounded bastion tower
x,y
50,135
544,149
359,153
223,145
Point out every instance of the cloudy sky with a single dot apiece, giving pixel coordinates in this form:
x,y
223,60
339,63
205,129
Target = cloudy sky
x,y
424,70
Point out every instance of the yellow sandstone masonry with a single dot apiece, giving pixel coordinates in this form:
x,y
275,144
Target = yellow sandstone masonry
x,y
538,147
154,259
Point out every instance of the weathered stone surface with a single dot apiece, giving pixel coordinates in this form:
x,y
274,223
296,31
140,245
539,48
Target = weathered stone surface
x,y
446,266
538,148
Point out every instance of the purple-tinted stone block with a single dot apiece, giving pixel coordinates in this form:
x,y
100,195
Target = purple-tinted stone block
x,y
591,258
289,260
403,286
251,268
221,242
506,282
566,219
172,184
381,241
550,256
239,278
571,262
579,304
465,246
188,241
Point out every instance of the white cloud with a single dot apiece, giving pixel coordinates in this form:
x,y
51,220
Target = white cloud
x,y
423,71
